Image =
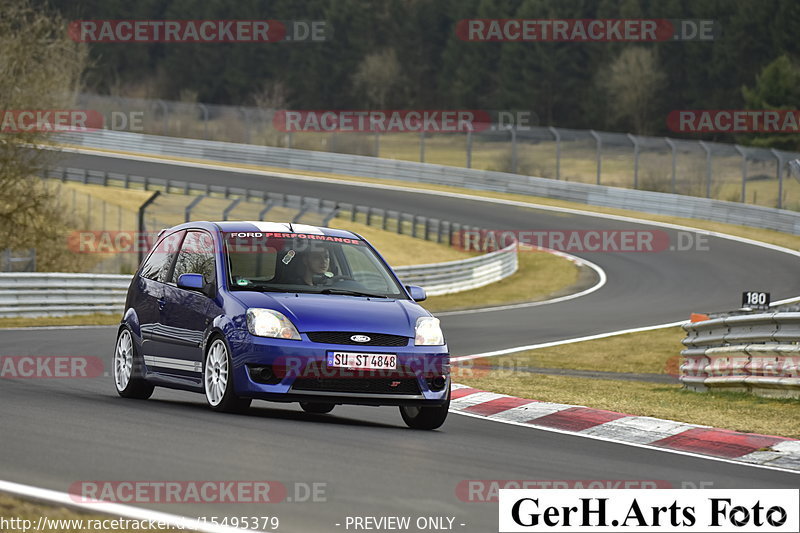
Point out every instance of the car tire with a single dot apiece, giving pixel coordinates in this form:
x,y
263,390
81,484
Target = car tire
x,y
128,367
218,379
317,408
424,417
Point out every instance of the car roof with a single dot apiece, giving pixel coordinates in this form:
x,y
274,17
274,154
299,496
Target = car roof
x,y
252,226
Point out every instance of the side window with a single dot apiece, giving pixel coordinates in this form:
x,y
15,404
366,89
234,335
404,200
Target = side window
x,y
158,263
196,257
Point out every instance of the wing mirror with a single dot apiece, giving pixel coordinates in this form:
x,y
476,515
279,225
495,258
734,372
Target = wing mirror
x,y
417,293
192,282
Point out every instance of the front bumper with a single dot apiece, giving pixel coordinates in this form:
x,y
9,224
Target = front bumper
x,y
292,371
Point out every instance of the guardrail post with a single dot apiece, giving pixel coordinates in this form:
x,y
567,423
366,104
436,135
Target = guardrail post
x,y
744,171
142,227
230,208
558,150
599,154
708,168
85,176
469,149
635,161
383,221
427,227
779,175
674,162
204,109
513,131
353,213
264,211
165,116
369,216
192,204
332,214
414,226
400,223
246,114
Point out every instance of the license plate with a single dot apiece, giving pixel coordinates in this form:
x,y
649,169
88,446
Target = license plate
x,y
366,361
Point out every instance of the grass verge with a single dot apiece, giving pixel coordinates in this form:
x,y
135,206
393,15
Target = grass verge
x,y
60,519
96,319
655,351
540,275
738,412
647,352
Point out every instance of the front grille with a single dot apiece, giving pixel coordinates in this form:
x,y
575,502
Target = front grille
x,y
343,337
358,385
318,378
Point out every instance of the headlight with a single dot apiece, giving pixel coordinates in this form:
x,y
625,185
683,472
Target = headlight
x,y
269,323
428,332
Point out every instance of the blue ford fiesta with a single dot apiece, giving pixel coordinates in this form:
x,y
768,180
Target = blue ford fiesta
x,y
280,312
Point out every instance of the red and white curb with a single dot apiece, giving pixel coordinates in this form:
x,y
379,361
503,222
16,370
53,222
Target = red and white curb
x,y
765,450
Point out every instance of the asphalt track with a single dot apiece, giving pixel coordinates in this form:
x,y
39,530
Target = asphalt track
x,y
57,432
643,288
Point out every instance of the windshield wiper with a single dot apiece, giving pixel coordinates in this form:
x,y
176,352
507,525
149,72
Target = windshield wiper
x,y
348,292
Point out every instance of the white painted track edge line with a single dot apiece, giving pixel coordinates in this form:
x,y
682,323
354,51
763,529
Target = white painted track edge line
x,y
634,444
516,349
114,509
602,280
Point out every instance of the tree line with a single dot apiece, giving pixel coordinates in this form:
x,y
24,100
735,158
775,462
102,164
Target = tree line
x,y
406,54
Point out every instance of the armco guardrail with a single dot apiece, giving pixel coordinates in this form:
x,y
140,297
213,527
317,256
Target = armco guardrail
x,y
756,353
456,276
61,294
354,165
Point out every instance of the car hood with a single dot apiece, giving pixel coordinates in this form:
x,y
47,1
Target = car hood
x,y
334,312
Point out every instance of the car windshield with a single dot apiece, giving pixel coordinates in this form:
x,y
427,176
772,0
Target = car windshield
x,y
294,262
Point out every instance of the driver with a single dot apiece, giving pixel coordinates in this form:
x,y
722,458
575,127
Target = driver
x,y
315,263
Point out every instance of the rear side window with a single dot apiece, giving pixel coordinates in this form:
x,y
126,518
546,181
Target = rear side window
x,y
158,264
196,257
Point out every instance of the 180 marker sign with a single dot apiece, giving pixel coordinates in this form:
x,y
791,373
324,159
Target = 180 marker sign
x,y
755,300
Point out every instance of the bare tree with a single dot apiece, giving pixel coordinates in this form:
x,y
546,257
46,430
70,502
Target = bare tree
x,y
632,82
40,69
271,96
377,77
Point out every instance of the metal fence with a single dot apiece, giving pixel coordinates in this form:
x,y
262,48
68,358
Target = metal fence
x,y
355,165
662,164
166,203
756,353
17,261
